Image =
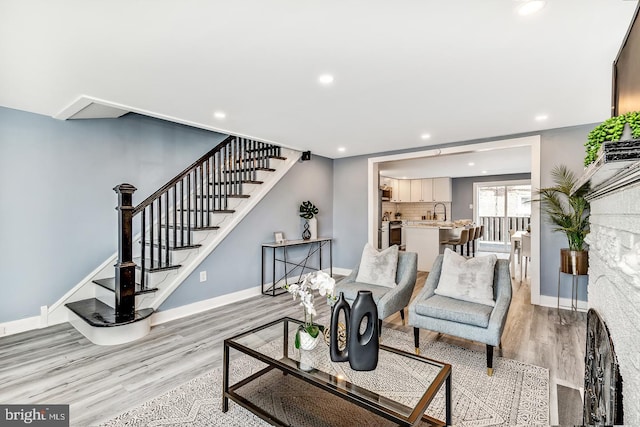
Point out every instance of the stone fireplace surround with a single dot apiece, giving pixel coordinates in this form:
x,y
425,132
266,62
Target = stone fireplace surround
x,y
614,259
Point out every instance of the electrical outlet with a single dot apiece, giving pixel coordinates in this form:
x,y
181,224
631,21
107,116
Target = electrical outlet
x,y
203,276
470,205
2,331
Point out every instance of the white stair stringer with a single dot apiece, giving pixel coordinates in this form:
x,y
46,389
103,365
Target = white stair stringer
x,y
166,281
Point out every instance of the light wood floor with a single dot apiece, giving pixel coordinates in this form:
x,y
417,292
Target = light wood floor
x,y
58,365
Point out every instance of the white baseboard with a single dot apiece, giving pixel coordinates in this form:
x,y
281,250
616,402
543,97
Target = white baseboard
x,y
565,303
22,325
200,306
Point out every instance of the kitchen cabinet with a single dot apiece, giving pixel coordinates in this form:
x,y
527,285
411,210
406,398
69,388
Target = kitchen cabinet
x,y
391,183
404,190
416,190
442,190
427,189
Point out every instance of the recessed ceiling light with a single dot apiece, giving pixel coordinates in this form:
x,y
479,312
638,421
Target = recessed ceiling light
x,y
220,115
541,117
471,164
342,149
530,7
325,79
425,136
484,171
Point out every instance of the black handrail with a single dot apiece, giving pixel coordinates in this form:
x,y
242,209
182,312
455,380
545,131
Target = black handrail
x,y
146,202
205,188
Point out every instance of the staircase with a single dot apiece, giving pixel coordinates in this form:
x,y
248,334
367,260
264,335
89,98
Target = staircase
x,y
176,228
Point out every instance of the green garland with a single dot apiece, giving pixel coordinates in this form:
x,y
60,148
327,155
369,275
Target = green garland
x,y
610,130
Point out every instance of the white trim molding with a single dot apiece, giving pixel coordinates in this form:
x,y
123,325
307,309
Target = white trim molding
x,y
164,316
21,325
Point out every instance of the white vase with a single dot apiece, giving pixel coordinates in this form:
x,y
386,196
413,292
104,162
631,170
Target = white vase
x,y
307,342
313,227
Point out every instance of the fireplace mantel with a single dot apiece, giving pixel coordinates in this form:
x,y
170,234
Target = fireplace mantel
x,y
614,258
617,166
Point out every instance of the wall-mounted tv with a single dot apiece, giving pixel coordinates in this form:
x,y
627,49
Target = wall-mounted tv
x,y
626,71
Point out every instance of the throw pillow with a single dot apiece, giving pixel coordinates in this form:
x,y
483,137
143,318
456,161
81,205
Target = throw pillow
x,y
467,279
378,268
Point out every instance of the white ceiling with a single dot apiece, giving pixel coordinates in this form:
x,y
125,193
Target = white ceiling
x,y
457,69
492,162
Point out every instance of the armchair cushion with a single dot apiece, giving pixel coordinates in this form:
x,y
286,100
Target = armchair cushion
x,y
378,268
465,279
455,310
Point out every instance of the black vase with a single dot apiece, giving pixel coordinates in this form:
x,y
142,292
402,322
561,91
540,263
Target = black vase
x,y
363,347
338,355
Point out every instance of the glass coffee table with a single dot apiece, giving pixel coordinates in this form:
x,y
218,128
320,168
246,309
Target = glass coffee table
x,y
400,389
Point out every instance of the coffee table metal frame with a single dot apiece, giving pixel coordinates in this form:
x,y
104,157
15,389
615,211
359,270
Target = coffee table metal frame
x,y
363,398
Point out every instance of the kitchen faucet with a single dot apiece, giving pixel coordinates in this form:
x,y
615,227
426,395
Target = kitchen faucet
x,y
445,210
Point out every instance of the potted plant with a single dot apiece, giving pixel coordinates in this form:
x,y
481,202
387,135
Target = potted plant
x,y
611,129
307,334
569,213
308,211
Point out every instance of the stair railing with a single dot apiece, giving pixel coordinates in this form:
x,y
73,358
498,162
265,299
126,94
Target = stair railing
x,y
185,203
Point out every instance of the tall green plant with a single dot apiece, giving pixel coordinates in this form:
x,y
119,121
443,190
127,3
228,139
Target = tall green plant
x,y
569,213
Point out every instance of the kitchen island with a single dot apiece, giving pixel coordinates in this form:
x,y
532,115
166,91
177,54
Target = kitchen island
x,y
424,237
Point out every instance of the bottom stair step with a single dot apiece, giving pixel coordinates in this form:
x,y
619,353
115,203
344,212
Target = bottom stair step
x,y
97,313
110,284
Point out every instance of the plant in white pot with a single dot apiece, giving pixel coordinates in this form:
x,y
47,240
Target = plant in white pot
x,y
569,213
308,211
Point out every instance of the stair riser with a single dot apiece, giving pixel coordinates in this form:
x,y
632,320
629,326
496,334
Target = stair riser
x,y
215,219
197,237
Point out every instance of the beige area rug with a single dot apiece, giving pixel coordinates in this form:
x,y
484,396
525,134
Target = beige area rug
x,y
517,394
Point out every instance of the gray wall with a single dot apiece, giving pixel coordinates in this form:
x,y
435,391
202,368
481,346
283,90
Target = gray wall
x,y
565,145
58,220
235,264
462,191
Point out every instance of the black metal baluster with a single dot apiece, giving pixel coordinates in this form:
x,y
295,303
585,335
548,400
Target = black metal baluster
x,y
166,224
159,225
175,216
182,212
150,234
208,169
202,199
189,209
238,165
225,154
143,248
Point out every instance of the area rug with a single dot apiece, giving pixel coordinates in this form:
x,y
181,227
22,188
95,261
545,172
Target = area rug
x,y
517,394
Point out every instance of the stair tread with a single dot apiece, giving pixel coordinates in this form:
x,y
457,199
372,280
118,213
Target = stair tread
x,y
210,210
192,228
156,266
97,313
270,156
250,170
242,181
228,196
109,283
174,248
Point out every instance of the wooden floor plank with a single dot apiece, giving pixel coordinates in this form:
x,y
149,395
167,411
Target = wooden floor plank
x,y
58,365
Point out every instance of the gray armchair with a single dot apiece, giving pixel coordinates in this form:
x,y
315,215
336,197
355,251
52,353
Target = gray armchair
x,y
388,300
468,320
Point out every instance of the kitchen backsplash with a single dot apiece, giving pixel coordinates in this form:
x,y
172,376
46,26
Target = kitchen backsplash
x,y
414,211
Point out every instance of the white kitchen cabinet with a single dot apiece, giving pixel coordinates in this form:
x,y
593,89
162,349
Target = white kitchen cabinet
x,y
427,189
442,190
404,190
391,183
416,190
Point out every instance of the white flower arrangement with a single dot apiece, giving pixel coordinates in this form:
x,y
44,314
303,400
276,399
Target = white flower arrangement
x,y
325,285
